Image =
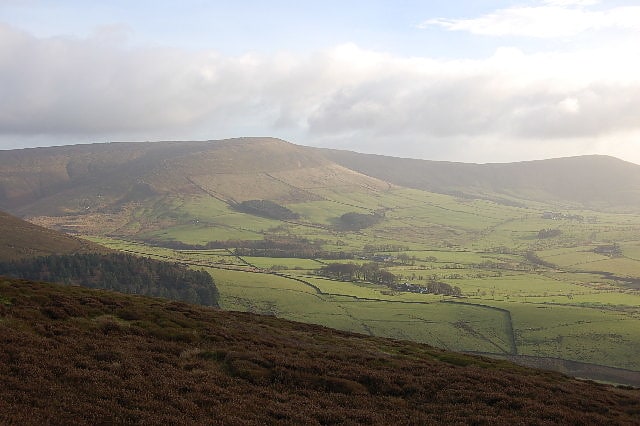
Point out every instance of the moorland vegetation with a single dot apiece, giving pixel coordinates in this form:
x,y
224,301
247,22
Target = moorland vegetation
x,y
71,355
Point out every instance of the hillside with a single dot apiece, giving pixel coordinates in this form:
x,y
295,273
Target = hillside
x,y
593,181
97,179
102,188
20,239
74,356
538,281
88,178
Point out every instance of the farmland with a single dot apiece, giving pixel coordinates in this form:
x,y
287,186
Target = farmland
x,y
567,301
494,261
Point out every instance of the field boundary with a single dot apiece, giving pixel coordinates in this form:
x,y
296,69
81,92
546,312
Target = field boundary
x,y
508,322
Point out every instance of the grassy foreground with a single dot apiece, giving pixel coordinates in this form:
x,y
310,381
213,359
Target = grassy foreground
x,y
71,355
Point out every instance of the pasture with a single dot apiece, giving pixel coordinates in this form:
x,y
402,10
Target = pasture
x,y
522,293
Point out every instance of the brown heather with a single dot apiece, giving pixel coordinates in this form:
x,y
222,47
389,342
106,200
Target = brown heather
x,y
22,240
70,355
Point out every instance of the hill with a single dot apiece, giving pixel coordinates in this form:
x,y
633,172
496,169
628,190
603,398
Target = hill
x,y
87,178
592,181
71,355
537,281
20,239
105,178
98,188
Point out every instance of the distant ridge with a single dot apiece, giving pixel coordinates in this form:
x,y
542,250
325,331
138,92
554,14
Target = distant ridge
x,y
80,179
83,178
592,181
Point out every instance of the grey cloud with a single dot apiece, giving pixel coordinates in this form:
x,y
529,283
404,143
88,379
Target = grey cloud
x,y
595,110
477,105
64,85
438,106
354,98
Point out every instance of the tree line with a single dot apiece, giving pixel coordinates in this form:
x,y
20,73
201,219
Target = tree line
x,y
299,253
283,247
353,221
352,272
271,242
372,272
119,272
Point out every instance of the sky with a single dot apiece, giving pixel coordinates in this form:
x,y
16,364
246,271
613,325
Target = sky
x,y
468,80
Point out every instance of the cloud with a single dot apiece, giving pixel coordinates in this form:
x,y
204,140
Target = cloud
x,y
570,2
504,107
554,19
70,85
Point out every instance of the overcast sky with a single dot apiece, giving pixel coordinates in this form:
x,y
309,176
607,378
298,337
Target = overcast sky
x,y
469,80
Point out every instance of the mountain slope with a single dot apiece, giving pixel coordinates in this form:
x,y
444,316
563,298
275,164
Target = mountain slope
x,y
86,178
74,356
20,239
592,181
82,179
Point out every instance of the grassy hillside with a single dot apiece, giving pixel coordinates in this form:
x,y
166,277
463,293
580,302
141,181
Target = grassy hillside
x,y
129,188
88,178
594,181
74,356
20,239
535,278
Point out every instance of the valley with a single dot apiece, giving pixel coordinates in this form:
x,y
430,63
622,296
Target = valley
x,y
538,277
319,213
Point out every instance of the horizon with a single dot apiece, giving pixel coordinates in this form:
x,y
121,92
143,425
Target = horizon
x,y
475,82
309,146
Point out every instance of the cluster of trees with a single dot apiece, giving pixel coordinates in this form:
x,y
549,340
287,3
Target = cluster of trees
x,y
349,272
433,287
611,250
548,233
119,272
266,208
371,248
373,273
533,258
288,246
275,246
405,259
353,221
298,253
438,287
285,243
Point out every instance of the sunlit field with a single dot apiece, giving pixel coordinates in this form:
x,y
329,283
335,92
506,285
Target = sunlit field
x,y
522,293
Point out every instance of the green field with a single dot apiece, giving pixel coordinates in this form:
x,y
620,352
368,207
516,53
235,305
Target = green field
x,y
458,327
521,293
279,263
